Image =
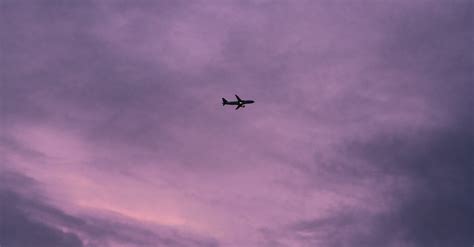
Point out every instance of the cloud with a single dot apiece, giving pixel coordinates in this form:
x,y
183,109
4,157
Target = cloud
x,y
361,108
410,179
18,207
428,202
438,209
28,220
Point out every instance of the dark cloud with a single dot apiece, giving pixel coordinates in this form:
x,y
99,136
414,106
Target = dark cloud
x,y
434,208
432,43
18,230
425,172
17,226
27,220
438,209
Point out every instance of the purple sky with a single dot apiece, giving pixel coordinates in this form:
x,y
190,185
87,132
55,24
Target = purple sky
x,y
113,132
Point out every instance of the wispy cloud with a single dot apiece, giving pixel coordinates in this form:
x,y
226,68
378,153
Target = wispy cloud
x,y
29,220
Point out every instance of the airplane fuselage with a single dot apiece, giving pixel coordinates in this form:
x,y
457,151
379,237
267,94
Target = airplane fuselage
x,y
243,102
239,102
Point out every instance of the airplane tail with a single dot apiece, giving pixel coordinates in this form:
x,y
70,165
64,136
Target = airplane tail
x,y
224,101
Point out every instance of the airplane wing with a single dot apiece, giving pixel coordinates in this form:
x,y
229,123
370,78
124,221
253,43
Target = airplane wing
x,y
238,107
238,97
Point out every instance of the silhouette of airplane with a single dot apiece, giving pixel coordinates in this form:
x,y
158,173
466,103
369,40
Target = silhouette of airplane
x,y
239,103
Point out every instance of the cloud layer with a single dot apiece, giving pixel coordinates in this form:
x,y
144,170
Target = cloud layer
x,y
113,133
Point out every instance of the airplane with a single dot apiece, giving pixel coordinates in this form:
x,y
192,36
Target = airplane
x,y
239,103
